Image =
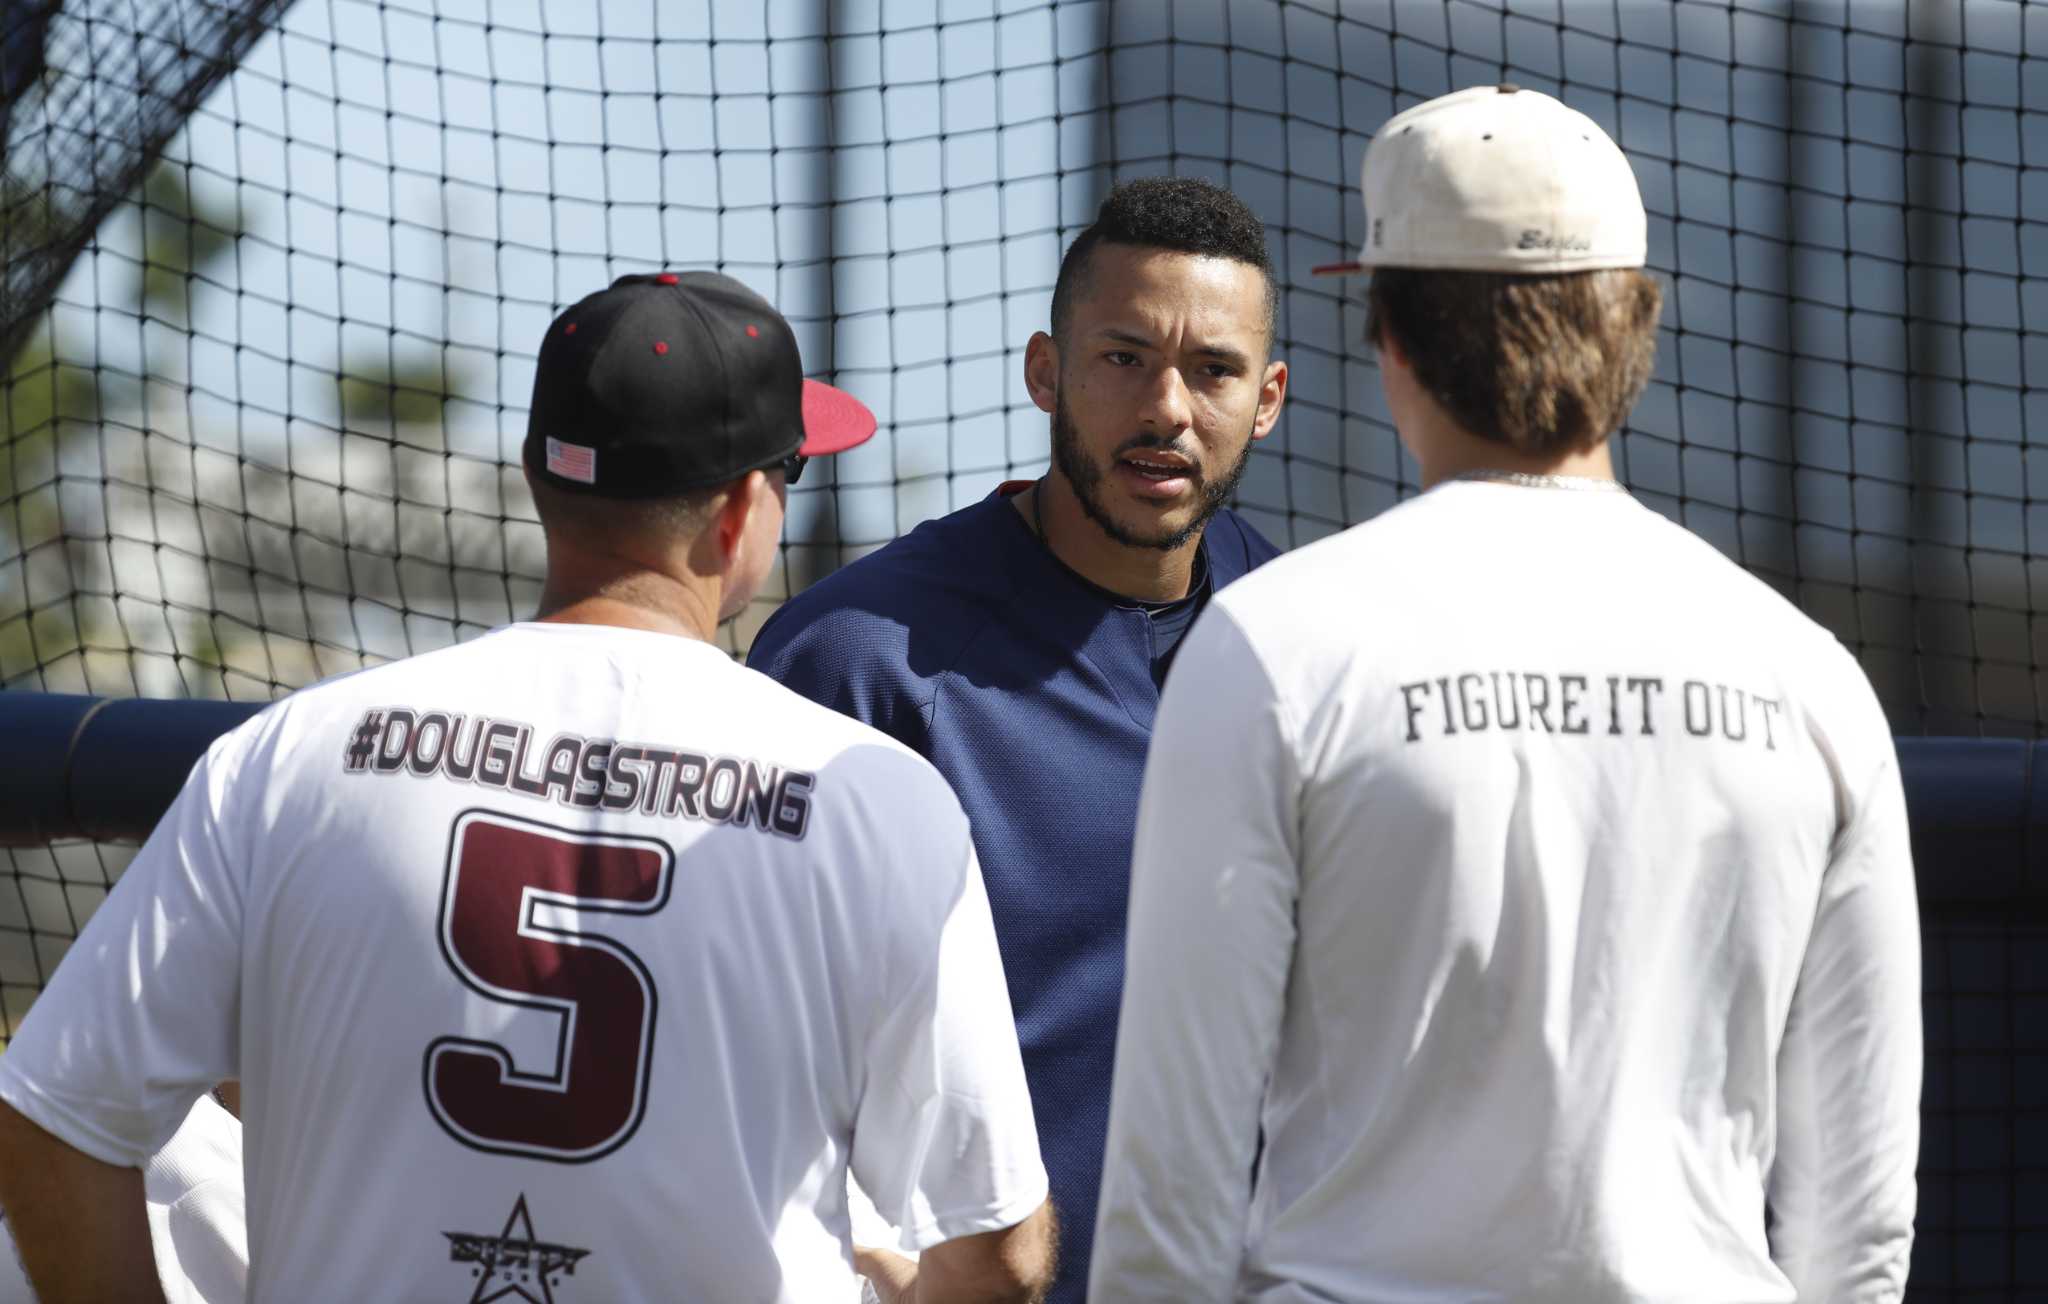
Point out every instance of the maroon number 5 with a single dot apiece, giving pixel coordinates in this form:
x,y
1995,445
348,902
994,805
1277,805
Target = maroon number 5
x,y
517,905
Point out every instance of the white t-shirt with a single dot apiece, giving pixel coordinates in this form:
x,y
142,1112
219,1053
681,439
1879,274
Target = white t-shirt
x,y
572,957
1536,882
198,1223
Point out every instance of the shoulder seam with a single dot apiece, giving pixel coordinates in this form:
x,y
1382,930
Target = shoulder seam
x,y
981,625
983,619
1290,727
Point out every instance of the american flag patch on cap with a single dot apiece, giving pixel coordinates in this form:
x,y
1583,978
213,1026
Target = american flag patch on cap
x,y
572,461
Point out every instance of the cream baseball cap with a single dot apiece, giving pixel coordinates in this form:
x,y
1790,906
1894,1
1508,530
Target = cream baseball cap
x,y
1498,179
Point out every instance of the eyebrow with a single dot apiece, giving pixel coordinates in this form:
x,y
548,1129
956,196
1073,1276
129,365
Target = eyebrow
x,y
1220,352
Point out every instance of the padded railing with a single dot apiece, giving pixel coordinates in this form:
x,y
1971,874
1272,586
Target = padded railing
x,y
106,769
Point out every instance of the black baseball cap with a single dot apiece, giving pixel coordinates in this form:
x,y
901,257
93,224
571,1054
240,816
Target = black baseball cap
x,y
677,381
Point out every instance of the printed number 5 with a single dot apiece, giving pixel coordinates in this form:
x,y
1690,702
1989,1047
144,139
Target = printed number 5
x,y
515,903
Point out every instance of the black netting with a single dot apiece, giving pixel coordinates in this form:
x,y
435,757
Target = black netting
x,y
93,89
270,355
1983,1222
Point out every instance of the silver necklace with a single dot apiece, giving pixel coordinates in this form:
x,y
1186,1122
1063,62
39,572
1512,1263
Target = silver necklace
x,y
1530,480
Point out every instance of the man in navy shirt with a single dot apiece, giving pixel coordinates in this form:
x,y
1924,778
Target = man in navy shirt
x,y
1020,643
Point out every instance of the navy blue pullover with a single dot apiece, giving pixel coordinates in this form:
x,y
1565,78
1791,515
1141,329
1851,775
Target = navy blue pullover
x,y
1032,692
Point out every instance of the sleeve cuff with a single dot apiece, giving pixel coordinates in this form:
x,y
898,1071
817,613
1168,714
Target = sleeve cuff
x,y
941,1228
37,1107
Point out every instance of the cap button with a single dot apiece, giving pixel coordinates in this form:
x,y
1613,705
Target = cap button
x,y
1507,88
668,278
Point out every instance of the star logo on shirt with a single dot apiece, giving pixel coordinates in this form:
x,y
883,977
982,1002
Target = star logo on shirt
x,y
524,1263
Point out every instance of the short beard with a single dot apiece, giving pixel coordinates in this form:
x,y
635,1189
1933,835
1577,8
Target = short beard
x,y
1086,478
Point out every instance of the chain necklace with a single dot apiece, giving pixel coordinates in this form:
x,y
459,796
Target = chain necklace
x,y
1531,480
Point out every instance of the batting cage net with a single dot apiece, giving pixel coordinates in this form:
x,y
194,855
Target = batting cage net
x,y
276,276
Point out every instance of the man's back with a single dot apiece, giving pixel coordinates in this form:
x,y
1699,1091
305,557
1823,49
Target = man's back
x,y
578,956
1575,803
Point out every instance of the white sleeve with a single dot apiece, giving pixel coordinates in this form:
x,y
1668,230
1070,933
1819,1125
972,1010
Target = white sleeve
x,y
198,1218
944,1142
1842,1182
1213,888
143,1013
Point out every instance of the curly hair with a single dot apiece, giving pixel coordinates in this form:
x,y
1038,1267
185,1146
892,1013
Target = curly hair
x,y
1544,364
1183,214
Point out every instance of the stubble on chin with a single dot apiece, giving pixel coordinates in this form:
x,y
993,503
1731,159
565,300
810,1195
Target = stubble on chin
x,y
1090,485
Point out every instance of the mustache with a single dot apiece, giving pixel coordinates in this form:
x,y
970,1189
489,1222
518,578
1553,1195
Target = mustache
x,y
1150,443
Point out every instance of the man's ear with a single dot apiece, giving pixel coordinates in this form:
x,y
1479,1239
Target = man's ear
x,y
526,474
1042,371
734,509
1272,393
1388,347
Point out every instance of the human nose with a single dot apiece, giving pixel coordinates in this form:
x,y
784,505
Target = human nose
x,y
1166,402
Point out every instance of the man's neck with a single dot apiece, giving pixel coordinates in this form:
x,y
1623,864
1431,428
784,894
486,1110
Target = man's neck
x,y
643,601
1053,512
1450,454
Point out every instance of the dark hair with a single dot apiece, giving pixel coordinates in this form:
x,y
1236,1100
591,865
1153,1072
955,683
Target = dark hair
x,y
1184,214
1545,364
592,517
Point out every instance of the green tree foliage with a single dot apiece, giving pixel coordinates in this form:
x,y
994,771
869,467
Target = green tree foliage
x,y
184,238
57,403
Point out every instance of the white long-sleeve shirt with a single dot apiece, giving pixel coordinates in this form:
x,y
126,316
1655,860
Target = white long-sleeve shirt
x,y
1537,882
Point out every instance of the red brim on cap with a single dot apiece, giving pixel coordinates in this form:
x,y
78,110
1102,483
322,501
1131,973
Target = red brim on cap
x,y
834,420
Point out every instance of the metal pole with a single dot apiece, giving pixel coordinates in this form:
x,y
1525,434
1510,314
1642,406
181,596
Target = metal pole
x,y
1931,30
